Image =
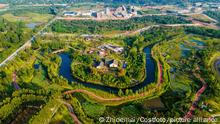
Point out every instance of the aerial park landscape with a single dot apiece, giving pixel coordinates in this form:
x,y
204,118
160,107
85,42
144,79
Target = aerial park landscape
x,y
94,62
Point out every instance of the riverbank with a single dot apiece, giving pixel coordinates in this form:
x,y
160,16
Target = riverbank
x,y
150,94
140,92
65,71
214,64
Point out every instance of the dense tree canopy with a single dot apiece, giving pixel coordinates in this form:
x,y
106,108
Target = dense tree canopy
x,y
95,27
214,14
11,35
203,31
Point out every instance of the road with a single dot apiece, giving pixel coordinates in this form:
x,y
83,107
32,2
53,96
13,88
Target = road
x,y
119,100
191,14
214,20
152,26
27,43
189,114
130,33
108,18
71,112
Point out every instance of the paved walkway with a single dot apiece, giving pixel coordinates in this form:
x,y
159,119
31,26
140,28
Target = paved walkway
x,y
72,114
189,114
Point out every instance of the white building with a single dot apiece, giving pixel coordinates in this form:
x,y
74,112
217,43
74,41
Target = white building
x,y
114,64
70,13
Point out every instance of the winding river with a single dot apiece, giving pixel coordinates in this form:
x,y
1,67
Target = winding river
x,y
65,71
217,66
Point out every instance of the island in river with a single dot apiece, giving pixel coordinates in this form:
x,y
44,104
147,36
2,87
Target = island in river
x,y
150,66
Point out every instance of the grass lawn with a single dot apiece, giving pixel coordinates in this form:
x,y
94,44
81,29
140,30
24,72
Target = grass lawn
x,y
40,78
181,82
62,116
47,112
149,11
212,63
155,103
200,17
93,110
28,17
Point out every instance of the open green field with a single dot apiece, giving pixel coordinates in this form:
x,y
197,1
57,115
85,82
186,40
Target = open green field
x,y
201,17
178,53
103,27
22,22
28,17
213,63
183,56
153,65
12,39
149,11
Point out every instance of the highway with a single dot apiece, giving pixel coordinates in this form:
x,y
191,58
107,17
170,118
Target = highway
x,y
165,25
27,43
191,14
152,26
129,33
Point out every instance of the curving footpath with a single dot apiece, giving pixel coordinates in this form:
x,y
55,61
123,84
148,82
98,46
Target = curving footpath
x,y
118,99
99,98
189,114
72,114
28,43
160,67
153,26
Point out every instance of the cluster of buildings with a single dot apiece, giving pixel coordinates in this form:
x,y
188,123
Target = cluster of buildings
x,y
105,62
208,5
103,49
120,12
116,49
4,6
72,14
102,52
200,7
110,63
197,7
130,11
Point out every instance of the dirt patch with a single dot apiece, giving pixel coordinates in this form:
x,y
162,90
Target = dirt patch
x,y
153,104
24,115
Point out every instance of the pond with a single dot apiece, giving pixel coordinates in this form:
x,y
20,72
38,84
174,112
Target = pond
x,y
36,66
65,71
32,25
185,50
199,43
